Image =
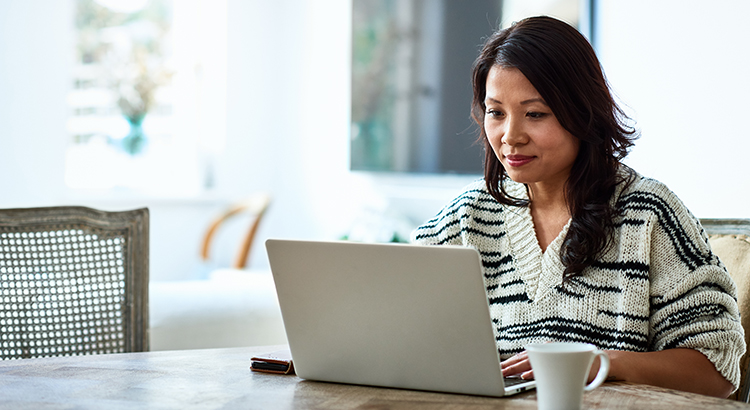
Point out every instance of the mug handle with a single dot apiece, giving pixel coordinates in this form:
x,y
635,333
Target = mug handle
x,y
601,376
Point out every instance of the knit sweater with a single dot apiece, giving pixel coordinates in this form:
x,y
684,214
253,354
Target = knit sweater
x,y
657,287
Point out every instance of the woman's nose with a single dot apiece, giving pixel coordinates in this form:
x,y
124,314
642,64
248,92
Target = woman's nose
x,y
514,133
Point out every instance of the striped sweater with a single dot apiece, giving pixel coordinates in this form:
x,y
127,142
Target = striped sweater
x,y
658,287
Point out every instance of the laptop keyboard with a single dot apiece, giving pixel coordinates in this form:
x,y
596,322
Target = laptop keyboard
x,y
512,381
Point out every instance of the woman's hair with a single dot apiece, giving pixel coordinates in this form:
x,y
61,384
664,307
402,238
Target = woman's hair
x,y
563,67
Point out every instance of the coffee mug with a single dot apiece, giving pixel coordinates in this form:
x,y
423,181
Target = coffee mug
x,y
561,370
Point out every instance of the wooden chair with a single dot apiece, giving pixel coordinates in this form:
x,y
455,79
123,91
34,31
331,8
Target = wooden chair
x,y
730,241
73,281
256,206
225,304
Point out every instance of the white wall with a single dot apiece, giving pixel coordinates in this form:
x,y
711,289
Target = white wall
x,y
34,76
682,68
287,118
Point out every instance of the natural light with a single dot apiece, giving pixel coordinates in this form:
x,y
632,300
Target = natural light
x,y
149,102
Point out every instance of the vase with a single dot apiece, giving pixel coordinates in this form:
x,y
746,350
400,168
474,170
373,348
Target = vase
x,y
136,140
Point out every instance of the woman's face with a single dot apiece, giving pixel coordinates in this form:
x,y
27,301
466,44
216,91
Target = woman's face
x,y
524,133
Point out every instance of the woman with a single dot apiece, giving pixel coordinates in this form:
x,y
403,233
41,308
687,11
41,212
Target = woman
x,y
575,245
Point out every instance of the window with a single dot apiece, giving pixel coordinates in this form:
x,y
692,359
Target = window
x,y
411,79
149,95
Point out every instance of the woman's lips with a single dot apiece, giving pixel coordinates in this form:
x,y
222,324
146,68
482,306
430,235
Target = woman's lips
x,y
518,160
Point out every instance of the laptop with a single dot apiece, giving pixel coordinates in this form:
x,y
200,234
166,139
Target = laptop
x,y
390,315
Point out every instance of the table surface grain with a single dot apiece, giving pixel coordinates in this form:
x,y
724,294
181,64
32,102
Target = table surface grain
x,y
221,379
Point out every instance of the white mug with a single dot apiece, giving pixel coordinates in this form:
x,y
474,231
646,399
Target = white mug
x,y
561,370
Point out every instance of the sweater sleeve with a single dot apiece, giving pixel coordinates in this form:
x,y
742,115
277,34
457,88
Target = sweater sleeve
x,y
443,229
448,226
693,298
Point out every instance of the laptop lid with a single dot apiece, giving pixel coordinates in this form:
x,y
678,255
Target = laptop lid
x,y
392,315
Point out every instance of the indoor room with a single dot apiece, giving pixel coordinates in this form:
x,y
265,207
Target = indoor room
x,y
239,121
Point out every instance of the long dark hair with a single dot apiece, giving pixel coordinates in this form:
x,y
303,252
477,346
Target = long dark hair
x,y
563,67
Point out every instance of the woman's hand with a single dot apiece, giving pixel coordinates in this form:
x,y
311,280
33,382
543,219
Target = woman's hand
x,y
680,369
518,365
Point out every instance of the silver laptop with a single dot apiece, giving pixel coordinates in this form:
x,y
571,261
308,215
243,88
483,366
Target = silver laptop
x,y
391,315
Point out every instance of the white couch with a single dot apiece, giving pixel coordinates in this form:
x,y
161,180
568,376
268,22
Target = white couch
x,y
231,308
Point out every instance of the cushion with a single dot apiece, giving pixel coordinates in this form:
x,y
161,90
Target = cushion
x,y
734,252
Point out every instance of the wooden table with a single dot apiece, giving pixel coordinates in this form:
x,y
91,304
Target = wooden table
x,y
221,379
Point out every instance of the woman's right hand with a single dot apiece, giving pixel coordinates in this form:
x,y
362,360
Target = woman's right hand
x,y
517,365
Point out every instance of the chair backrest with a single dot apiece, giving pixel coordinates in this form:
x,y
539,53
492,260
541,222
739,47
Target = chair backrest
x,y
256,206
730,241
73,281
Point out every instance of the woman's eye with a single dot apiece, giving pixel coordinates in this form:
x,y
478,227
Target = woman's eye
x,y
537,115
494,113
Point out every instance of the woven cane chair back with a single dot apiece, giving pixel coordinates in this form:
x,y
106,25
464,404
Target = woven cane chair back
x,y
73,281
730,241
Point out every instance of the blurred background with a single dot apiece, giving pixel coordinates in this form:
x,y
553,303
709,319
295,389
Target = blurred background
x,y
188,106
